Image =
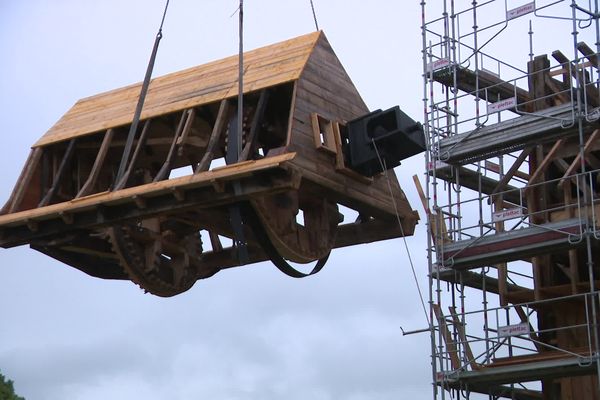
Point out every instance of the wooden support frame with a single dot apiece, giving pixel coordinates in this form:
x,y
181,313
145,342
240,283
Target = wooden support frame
x,y
577,161
215,135
256,122
89,184
545,163
136,153
323,133
435,220
58,177
450,343
588,53
581,76
512,171
460,329
14,201
185,122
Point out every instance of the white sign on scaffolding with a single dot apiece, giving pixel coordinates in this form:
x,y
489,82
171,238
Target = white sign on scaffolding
x,y
504,215
514,330
502,105
438,64
520,11
438,164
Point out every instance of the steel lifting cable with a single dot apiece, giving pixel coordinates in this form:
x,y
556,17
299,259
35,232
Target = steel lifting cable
x,y
312,6
412,266
140,104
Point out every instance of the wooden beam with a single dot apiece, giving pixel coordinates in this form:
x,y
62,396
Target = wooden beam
x,y
580,75
577,161
560,92
215,242
23,183
463,338
182,140
59,173
512,171
541,169
584,187
89,184
588,53
136,154
450,344
257,120
165,170
435,221
214,137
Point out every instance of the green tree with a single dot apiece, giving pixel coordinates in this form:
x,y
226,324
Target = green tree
x,y
7,391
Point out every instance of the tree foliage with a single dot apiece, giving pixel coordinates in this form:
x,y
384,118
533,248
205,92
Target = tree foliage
x,y
7,390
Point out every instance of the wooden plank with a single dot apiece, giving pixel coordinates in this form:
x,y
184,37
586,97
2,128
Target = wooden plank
x,y
268,66
89,184
148,190
463,338
588,53
450,344
23,183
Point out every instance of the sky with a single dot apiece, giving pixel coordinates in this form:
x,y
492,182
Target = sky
x,y
246,333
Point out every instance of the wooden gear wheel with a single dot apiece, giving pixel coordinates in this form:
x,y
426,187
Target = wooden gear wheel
x,y
162,261
301,241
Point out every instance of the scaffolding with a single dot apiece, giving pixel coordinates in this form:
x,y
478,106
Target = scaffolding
x,y
513,197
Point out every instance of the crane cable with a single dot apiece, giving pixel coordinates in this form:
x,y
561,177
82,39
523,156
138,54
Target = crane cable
x,y
140,105
412,266
312,6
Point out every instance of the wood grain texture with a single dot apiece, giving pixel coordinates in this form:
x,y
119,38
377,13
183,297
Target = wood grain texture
x,y
204,84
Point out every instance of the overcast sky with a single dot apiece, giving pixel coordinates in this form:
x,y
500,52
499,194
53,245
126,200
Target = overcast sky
x,y
247,333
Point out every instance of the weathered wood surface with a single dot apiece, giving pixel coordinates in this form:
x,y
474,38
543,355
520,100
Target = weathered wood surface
x,y
326,89
148,190
212,82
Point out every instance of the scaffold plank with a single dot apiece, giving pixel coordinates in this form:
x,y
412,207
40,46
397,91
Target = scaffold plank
x,y
511,135
511,245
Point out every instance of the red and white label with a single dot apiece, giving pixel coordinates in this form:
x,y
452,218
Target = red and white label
x,y
438,64
437,165
504,215
520,11
502,105
514,330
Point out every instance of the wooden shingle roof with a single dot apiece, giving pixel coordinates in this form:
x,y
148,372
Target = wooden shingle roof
x,y
267,66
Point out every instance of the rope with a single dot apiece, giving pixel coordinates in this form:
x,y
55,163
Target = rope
x,y
312,6
412,266
140,104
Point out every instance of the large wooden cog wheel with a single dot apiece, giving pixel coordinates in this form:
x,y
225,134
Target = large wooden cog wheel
x,y
298,241
158,259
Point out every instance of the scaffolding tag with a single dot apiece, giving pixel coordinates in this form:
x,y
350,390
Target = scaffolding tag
x,y
502,105
507,214
513,330
438,64
520,11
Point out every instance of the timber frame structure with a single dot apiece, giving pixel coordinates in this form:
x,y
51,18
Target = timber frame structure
x,y
513,202
165,222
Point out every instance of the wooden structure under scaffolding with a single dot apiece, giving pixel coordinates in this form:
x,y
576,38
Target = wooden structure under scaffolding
x,y
555,148
287,185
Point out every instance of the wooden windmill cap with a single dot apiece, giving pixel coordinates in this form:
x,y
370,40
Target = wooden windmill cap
x,y
263,67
